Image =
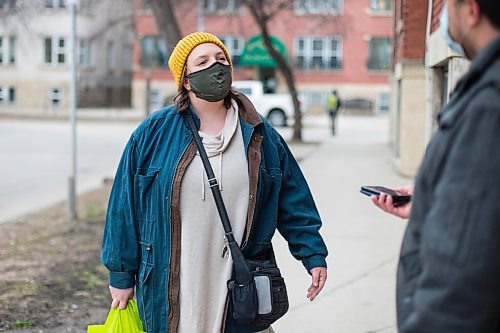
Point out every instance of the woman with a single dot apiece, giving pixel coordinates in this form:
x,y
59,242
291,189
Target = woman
x,y
163,234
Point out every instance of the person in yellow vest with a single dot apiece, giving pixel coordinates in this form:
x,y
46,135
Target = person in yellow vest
x,y
333,104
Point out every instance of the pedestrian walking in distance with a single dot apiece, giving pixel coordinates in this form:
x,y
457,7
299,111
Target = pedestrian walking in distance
x,y
163,234
333,104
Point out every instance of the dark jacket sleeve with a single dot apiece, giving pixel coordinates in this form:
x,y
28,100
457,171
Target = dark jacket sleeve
x,y
458,289
298,217
120,245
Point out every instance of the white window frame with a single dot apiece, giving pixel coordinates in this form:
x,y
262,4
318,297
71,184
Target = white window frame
x,y
6,97
211,6
234,52
55,51
383,101
7,5
154,45
55,3
55,94
7,50
318,6
110,52
326,53
371,40
11,52
84,53
375,8
126,57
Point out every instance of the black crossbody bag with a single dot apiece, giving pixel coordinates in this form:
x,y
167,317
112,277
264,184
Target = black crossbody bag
x,y
257,293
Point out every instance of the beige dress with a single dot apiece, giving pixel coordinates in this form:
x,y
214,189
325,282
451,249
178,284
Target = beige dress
x,y
204,270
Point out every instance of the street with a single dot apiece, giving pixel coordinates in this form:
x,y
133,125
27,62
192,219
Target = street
x,y
363,242
35,161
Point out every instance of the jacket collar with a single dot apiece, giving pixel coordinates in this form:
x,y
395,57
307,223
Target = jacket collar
x,y
247,110
482,72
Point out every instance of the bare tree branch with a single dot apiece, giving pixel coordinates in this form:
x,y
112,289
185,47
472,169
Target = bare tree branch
x,y
262,18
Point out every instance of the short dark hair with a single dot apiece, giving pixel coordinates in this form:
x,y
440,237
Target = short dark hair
x,y
491,9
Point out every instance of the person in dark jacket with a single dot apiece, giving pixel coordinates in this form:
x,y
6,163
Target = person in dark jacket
x,y
163,234
449,266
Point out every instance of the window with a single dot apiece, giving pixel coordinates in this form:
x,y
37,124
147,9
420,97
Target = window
x,y
234,46
84,55
317,53
7,50
380,5
379,53
7,95
383,102
153,52
313,98
318,6
109,55
12,50
55,96
54,50
55,3
6,5
126,58
86,5
61,51
154,99
213,6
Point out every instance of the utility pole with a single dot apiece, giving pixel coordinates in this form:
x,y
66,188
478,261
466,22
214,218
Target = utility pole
x,y
74,101
148,74
201,15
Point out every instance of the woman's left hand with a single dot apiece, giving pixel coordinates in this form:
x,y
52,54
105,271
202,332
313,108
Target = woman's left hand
x,y
318,281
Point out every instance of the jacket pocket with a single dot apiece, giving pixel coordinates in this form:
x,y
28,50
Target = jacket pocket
x,y
147,192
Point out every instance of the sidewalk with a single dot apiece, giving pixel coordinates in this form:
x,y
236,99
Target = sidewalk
x,y
363,242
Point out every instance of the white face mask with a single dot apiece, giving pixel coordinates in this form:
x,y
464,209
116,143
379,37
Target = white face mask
x,y
445,29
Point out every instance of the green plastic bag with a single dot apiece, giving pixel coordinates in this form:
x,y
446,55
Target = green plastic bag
x,y
120,321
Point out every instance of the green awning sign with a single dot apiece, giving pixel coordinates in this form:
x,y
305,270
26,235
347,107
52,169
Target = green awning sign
x,y
255,52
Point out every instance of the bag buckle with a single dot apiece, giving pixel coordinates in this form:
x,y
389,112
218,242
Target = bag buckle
x,y
213,182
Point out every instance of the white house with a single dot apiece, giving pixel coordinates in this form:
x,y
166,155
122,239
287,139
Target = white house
x,y
35,57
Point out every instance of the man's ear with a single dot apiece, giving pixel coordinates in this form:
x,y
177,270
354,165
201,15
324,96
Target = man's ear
x,y
473,13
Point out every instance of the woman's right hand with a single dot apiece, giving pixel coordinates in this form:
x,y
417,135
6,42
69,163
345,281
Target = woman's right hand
x,y
385,202
120,297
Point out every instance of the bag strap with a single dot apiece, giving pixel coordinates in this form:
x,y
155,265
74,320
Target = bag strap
x,y
242,272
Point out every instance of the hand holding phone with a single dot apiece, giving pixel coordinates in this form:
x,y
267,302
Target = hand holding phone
x,y
398,198
383,198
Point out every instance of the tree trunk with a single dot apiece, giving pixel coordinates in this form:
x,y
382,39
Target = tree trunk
x,y
168,28
257,10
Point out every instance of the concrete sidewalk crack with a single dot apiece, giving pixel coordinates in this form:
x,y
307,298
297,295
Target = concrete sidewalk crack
x,y
348,282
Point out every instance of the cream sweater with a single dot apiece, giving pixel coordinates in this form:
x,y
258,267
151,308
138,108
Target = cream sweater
x,y
204,270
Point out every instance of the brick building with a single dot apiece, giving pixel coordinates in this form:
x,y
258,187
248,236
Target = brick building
x,y
408,84
425,72
332,44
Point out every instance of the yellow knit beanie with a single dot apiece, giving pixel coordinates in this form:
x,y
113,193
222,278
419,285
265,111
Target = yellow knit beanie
x,y
184,47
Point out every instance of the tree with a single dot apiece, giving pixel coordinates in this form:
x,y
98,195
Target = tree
x,y
263,11
166,21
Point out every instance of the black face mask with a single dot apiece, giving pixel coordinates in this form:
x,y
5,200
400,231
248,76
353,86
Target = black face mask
x,y
211,84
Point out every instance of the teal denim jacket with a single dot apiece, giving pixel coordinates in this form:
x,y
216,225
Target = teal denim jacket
x,y
137,240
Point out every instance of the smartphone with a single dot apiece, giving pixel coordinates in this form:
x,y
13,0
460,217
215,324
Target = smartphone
x,y
397,198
